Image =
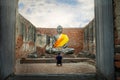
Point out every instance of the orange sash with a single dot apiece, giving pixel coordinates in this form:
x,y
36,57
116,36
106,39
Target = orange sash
x,y
61,41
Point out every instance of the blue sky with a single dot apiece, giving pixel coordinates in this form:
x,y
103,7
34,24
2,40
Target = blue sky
x,y
51,13
68,2
21,5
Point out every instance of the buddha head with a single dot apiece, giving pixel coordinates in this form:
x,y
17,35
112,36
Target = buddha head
x,y
59,29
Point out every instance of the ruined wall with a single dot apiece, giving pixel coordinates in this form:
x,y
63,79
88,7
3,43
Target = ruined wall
x,y
117,24
89,38
25,37
75,35
117,37
41,42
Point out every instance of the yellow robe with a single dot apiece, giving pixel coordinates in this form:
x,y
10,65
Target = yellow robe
x,y
61,41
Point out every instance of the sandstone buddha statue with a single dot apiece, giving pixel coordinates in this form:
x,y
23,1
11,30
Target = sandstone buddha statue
x,y
60,40
59,43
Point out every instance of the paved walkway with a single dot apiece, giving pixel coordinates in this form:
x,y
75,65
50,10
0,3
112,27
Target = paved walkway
x,y
51,68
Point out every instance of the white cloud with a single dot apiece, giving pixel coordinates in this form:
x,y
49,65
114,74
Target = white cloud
x,y
49,13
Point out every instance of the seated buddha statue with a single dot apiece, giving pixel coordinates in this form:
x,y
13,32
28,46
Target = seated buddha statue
x,y
60,40
60,43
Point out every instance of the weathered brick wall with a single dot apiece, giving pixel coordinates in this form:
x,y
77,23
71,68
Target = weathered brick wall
x,y
75,35
117,24
25,37
117,37
89,38
41,42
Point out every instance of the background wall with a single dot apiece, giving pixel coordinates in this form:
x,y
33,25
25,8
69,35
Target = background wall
x,y
25,37
89,38
117,25
117,37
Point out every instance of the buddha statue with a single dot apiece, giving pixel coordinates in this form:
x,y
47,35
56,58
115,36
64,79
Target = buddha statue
x,y
59,43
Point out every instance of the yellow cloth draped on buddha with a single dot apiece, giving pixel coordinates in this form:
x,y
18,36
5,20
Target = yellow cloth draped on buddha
x,y
61,41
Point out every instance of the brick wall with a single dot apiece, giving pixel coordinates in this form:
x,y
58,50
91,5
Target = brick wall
x,y
117,37
25,37
89,38
117,25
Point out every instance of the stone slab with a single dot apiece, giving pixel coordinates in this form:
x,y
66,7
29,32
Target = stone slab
x,y
52,60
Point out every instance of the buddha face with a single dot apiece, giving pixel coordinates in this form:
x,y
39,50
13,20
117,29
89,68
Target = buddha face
x,y
59,29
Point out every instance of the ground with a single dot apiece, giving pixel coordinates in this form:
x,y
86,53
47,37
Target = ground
x,y
51,68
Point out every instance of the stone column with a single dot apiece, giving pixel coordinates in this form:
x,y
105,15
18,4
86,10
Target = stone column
x,y
7,37
104,39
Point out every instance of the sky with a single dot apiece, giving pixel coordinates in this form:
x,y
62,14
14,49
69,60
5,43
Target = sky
x,y
51,13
